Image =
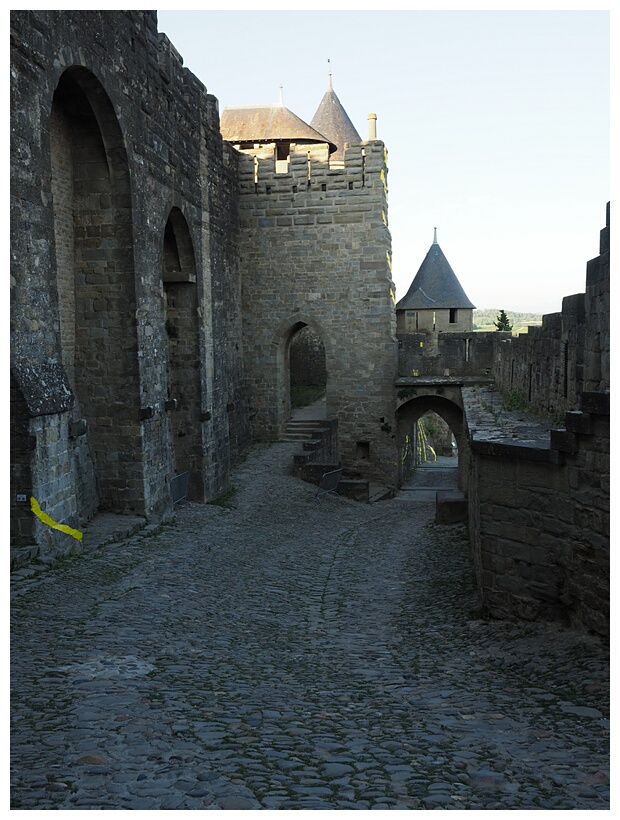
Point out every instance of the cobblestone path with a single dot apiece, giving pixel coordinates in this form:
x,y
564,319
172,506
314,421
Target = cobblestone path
x,y
287,653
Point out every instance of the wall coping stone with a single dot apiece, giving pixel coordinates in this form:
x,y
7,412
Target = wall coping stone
x,y
434,381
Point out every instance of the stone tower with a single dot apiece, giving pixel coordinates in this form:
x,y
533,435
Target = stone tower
x,y
315,250
435,301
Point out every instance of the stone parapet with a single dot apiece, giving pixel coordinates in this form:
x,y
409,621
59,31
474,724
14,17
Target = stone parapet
x,y
549,367
539,511
450,353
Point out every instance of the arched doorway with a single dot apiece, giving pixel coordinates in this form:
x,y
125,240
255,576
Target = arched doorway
x,y
307,367
183,352
275,388
422,423
96,294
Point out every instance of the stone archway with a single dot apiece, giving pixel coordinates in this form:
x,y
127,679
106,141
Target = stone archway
x,y
183,352
307,367
414,409
281,351
96,294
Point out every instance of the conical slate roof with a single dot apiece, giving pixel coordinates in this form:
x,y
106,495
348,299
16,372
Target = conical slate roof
x,y
267,123
435,285
332,120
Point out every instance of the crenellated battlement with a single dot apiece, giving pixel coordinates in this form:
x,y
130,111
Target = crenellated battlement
x,y
365,165
305,189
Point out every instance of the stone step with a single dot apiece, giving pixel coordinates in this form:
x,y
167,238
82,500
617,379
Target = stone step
x,y
304,423
300,429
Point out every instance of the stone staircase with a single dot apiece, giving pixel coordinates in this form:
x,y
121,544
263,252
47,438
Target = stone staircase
x,y
301,429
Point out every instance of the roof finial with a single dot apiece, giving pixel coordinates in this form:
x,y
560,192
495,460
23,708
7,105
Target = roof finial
x,y
329,76
281,95
435,239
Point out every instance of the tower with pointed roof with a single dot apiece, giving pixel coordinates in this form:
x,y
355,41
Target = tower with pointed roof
x,y
333,121
315,252
435,300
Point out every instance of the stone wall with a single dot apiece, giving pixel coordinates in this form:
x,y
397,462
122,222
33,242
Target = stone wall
x,y
158,278
124,218
539,518
315,251
550,366
447,354
539,498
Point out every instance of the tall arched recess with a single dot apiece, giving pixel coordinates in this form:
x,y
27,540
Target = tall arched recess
x,y
96,294
281,350
408,414
182,334
307,366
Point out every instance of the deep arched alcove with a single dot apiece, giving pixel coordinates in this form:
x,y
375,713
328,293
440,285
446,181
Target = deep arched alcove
x,y
96,293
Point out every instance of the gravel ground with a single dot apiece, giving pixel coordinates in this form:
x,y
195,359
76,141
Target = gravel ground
x,y
278,652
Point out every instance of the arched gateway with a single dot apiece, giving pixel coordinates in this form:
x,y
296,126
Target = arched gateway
x,y
281,348
448,407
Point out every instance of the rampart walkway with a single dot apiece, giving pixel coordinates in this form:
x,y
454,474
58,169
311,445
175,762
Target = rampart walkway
x,y
291,653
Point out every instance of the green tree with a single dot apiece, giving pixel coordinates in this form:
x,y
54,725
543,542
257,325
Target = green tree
x,y
502,323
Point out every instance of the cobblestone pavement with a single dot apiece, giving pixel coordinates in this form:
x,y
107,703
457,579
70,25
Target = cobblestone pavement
x,y
430,476
287,653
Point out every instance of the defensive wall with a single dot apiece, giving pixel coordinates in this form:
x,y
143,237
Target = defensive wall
x,y
531,418
552,365
539,494
438,353
126,356
141,244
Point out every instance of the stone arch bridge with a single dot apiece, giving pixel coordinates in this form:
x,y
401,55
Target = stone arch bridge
x,y
442,395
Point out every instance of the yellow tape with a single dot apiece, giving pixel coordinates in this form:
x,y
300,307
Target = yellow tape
x,y
50,521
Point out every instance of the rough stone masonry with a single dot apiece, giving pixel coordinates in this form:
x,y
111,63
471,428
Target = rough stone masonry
x,y
158,277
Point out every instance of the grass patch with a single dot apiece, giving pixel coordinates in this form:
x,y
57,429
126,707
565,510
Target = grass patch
x,y
306,394
515,400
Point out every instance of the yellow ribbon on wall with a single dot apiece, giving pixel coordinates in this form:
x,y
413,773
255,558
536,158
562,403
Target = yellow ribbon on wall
x,y
34,506
406,448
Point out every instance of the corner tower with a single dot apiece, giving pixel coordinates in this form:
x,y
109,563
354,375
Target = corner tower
x,y
435,300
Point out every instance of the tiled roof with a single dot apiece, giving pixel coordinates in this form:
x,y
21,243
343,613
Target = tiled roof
x,y
267,123
435,285
332,120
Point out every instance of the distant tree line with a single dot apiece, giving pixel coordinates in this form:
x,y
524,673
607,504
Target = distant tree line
x,y
487,318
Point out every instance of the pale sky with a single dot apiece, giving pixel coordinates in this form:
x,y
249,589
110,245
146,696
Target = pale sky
x,y
497,126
